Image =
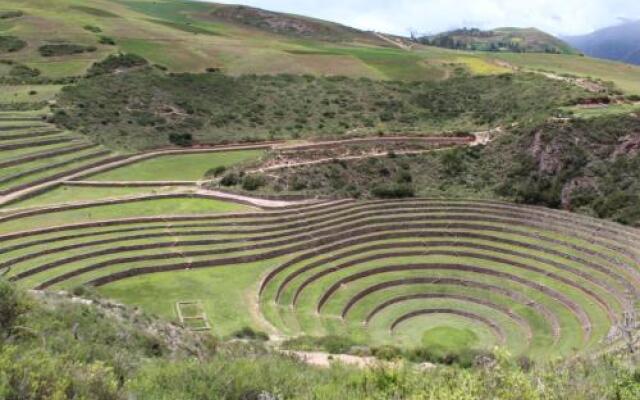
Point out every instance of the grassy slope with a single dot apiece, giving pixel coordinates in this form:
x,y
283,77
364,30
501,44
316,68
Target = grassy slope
x,y
183,37
153,30
178,167
223,292
133,209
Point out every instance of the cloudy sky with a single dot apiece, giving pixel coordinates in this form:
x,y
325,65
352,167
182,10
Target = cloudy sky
x,y
431,16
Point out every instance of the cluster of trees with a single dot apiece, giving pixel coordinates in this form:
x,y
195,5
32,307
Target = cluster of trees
x,y
474,39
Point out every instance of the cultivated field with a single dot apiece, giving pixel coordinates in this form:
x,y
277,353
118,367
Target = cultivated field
x,y
538,282
465,274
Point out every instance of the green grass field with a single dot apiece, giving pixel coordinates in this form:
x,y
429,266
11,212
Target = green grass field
x,y
27,93
66,194
183,167
139,208
227,294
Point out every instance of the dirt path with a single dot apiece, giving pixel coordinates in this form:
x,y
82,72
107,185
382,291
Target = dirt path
x,y
328,160
396,43
304,145
478,138
584,83
213,194
320,359
324,360
258,202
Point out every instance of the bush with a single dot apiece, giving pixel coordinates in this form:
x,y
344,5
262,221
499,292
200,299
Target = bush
x,y
230,179
92,28
12,306
216,172
64,49
23,72
393,191
106,40
11,14
116,62
253,182
388,353
181,139
11,44
37,375
249,333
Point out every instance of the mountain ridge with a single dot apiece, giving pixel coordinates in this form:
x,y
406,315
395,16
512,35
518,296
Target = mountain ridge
x,y
619,42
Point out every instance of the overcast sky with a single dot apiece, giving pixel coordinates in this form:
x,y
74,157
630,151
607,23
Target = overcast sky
x,y
432,16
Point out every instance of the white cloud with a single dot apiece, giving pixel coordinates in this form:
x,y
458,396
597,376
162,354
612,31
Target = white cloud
x,y
555,16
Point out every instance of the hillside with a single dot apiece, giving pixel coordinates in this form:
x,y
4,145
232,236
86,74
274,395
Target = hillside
x,y
193,36
619,43
185,36
516,40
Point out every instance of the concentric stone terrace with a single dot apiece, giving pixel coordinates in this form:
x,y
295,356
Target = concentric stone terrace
x,y
538,282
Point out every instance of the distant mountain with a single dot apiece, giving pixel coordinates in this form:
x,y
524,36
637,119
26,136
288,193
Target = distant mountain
x,y
619,43
516,40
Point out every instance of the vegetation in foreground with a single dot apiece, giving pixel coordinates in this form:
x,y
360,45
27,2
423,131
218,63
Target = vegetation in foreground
x,y
56,347
148,108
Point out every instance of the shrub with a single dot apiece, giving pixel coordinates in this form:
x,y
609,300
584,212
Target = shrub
x,y
298,183
64,49
11,44
106,40
38,375
181,139
387,352
11,14
393,191
253,182
12,306
116,62
230,179
23,72
249,333
217,171
92,28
